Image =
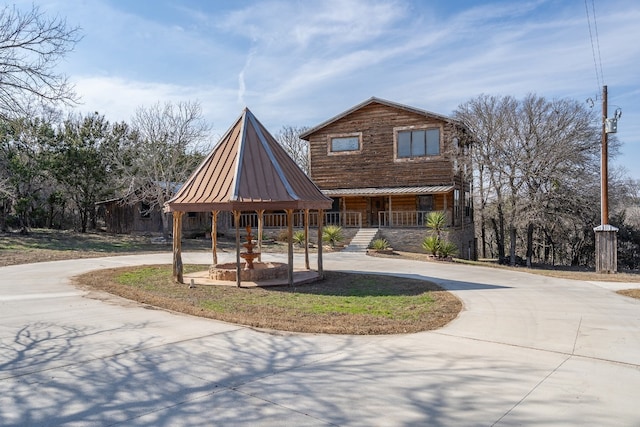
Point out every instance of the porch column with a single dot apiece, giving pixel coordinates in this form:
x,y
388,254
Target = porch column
x,y
390,213
445,209
260,213
177,247
236,217
320,224
344,212
306,239
214,236
290,244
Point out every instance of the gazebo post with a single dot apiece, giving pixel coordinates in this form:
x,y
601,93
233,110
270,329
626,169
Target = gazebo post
x,y
177,247
214,236
320,224
236,216
260,213
306,239
290,244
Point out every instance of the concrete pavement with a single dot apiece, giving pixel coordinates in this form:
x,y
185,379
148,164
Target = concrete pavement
x,y
526,350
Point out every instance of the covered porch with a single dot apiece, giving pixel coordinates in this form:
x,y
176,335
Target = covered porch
x,y
392,206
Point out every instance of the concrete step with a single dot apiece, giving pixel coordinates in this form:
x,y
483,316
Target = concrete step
x,y
361,240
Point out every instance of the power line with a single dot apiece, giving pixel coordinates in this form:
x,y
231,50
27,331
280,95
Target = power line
x,y
597,61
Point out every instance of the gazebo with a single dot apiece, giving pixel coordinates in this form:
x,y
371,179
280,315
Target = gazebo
x,y
247,171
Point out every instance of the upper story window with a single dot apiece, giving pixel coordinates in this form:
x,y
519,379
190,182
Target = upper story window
x,y
418,143
345,144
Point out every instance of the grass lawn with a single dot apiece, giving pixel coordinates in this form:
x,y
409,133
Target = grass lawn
x,y
340,304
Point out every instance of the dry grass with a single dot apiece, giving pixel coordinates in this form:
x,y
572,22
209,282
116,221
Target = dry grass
x,y
341,304
633,293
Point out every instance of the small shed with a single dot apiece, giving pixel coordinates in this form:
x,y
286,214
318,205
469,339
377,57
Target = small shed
x,y
247,171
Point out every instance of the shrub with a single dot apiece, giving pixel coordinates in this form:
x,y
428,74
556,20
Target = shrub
x,y
436,222
332,234
283,235
447,249
298,238
431,244
379,244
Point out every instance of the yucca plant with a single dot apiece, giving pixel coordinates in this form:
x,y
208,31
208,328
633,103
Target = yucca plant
x,y
380,244
436,222
447,249
431,244
332,234
298,238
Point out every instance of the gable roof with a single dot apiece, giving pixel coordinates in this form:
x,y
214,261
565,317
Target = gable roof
x,y
248,170
375,100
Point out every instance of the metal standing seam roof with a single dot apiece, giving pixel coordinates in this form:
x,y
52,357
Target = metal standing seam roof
x,y
386,191
248,170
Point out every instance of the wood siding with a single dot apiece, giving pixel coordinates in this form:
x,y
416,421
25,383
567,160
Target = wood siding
x,y
374,164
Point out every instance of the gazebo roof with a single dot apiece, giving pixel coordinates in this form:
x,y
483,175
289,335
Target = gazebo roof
x,y
248,170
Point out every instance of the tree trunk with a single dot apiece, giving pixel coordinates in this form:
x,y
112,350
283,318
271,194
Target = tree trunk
x,y
501,234
483,235
529,244
165,225
499,242
512,244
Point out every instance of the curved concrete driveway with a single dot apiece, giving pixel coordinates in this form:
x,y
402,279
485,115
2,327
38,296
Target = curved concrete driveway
x,y
526,350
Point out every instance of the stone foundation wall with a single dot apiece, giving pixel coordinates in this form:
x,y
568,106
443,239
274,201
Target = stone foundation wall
x,y
410,240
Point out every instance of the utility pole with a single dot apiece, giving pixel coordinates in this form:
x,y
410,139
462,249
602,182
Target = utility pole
x,y
606,238
604,162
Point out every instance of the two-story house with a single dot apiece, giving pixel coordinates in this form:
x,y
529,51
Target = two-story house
x,y
387,165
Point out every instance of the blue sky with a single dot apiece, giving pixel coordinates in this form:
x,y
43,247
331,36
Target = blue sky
x,y
301,62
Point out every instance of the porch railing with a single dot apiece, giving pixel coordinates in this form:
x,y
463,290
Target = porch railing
x,y
406,218
279,219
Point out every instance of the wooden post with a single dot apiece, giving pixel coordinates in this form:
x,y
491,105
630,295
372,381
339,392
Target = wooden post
x,y
290,244
306,239
320,223
214,236
236,217
177,247
260,213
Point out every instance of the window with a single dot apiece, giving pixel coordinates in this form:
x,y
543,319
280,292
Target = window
x,y
418,143
145,210
425,203
344,143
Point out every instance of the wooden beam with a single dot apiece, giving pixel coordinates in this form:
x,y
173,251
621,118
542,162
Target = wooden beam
x,y
320,225
260,213
177,247
236,216
214,236
306,239
290,244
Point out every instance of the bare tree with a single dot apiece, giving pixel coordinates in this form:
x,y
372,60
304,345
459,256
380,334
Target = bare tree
x,y
31,45
160,152
298,149
535,161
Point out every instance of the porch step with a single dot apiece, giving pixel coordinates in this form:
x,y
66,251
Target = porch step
x,y
361,240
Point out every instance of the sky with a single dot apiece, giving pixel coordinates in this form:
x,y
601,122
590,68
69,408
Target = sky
x,y
301,62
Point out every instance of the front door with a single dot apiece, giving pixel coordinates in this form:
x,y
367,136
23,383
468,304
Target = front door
x,y
377,205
